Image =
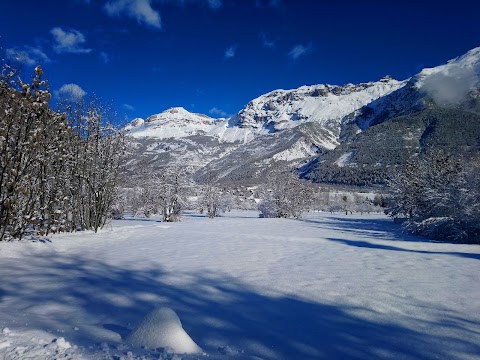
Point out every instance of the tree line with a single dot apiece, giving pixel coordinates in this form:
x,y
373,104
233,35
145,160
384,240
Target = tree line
x,y
58,169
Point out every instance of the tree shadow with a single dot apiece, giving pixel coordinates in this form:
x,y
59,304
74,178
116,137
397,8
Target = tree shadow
x,y
366,244
372,226
91,302
384,229
140,219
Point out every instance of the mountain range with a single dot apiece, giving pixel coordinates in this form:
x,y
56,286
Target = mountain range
x,y
350,134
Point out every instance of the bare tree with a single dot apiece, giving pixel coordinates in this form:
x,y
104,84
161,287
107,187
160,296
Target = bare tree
x,y
284,195
212,199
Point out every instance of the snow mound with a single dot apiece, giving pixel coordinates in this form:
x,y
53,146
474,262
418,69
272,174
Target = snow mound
x,y
161,328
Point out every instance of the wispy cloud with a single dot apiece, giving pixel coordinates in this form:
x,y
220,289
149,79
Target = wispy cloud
x,y
213,4
70,92
140,10
68,41
300,50
265,41
230,52
128,107
27,55
217,112
104,57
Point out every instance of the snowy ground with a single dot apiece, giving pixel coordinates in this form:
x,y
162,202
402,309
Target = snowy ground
x,y
325,287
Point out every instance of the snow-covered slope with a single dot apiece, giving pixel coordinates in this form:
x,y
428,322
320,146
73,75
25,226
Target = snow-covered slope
x,y
453,84
290,125
172,123
272,112
301,124
465,68
324,104
439,108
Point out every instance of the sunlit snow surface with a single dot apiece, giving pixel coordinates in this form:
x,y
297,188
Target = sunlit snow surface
x,y
329,286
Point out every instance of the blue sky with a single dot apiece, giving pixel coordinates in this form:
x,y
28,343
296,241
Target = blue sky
x,y
213,56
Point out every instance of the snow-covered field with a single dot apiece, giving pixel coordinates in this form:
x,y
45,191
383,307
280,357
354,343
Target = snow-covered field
x,y
325,287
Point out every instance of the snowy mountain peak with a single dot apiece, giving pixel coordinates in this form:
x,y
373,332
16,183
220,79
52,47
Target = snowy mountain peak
x,y
326,104
471,58
179,113
173,122
135,123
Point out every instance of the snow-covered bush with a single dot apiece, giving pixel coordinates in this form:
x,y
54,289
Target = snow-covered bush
x,y
438,196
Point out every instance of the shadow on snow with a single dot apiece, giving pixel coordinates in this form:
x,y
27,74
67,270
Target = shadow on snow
x,y
215,310
384,229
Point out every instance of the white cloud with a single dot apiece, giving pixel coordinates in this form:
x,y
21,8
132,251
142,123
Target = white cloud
x,y
451,87
128,107
104,57
140,10
230,52
68,41
70,92
217,111
266,42
299,50
27,55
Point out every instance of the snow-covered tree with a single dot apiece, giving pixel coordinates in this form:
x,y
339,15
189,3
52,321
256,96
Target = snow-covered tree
x,y
58,170
164,191
437,194
30,143
212,199
284,195
173,189
96,153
